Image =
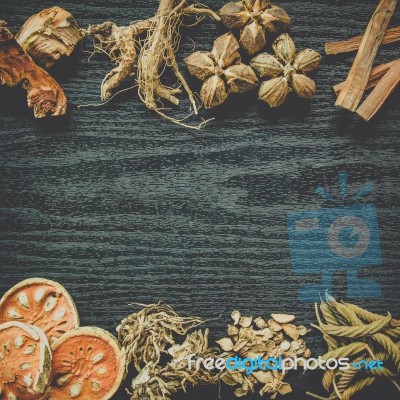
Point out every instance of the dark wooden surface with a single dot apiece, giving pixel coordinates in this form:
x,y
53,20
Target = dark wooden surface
x,y
121,206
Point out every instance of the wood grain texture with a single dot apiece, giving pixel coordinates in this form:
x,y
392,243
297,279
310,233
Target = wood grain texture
x,y
120,206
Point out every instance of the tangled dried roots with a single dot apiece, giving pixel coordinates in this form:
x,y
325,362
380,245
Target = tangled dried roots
x,y
157,382
157,54
156,330
147,333
120,45
150,56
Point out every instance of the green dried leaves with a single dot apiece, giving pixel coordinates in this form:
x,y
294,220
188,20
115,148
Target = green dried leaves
x,y
286,71
251,338
354,333
222,71
254,18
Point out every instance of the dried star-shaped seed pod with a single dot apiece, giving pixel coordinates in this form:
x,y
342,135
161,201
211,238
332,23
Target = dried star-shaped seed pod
x,y
254,18
222,71
287,71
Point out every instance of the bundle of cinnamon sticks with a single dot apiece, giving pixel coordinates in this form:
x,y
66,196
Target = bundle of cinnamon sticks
x,y
362,76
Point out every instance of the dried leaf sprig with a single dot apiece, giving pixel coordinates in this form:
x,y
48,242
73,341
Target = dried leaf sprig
x,y
158,330
358,334
287,71
252,338
254,18
222,71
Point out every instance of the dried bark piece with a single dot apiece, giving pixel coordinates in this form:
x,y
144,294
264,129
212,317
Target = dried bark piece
x,y
49,35
240,78
379,95
346,46
357,80
45,95
375,76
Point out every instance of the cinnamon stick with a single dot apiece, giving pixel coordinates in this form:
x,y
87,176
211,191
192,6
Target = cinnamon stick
x,y
347,46
357,80
374,77
382,91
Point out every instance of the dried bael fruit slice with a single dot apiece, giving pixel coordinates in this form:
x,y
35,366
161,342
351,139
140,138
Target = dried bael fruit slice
x,y
42,303
25,361
87,364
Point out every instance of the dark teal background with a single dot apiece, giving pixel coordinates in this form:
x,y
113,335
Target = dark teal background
x,y
120,206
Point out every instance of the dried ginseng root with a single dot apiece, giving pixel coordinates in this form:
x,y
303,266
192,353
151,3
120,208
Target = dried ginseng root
x,y
87,364
222,71
254,18
158,330
25,361
42,303
360,335
252,338
49,35
287,71
45,95
156,54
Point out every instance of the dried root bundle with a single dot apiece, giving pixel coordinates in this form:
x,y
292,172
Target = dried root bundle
x,y
45,95
252,338
355,333
148,57
155,331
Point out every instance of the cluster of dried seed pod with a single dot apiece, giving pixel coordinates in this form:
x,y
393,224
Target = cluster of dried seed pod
x,y
222,71
355,333
286,71
254,18
153,331
252,338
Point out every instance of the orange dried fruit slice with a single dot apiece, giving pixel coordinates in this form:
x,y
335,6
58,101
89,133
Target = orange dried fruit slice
x,y
88,363
25,361
42,303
